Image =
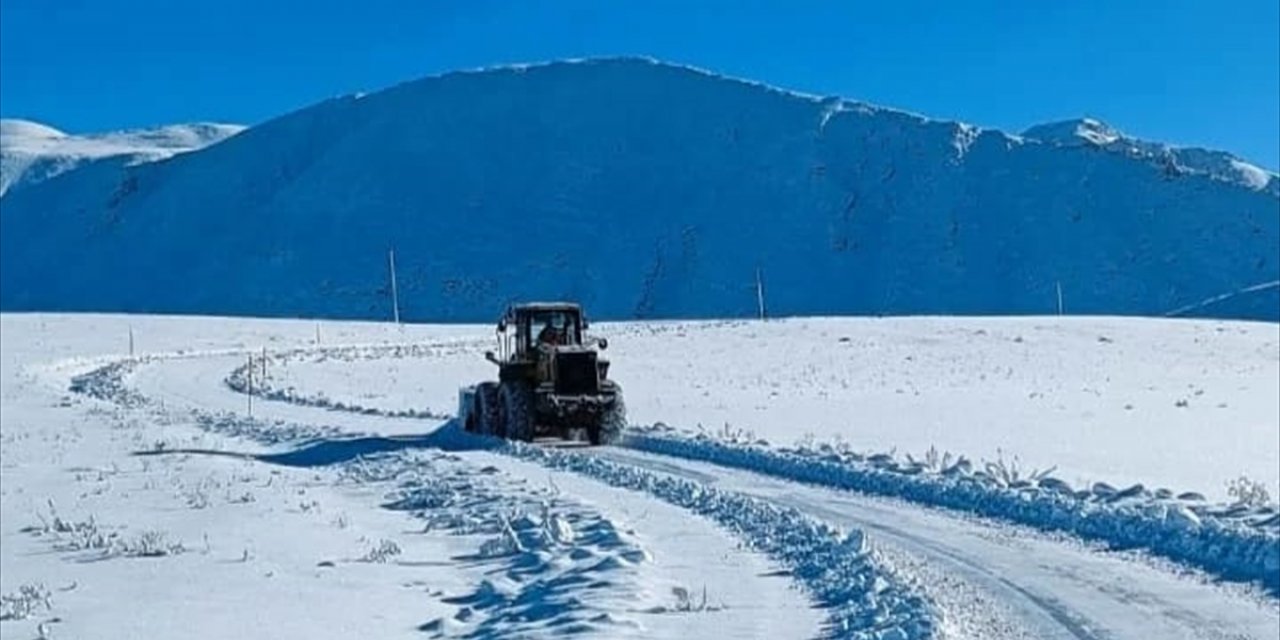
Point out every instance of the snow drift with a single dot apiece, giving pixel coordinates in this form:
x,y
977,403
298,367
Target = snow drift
x,y
645,189
1238,542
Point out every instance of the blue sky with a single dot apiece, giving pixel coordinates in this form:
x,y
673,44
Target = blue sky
x,y
1189,72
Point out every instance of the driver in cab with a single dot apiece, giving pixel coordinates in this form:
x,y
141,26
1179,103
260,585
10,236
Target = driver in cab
x,y
549,335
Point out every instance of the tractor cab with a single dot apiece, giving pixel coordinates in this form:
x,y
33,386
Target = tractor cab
x,y
551,378
538,324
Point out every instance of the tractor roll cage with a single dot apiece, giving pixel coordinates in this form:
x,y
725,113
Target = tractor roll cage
x,y
520,343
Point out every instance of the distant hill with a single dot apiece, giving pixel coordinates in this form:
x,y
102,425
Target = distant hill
x,y
645,189
31,152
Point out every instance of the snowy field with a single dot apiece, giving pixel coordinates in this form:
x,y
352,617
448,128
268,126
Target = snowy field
x,y
1179,404
150,503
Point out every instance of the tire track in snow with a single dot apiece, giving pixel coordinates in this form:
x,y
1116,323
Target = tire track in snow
x,y
979,605
1057,589
1072,623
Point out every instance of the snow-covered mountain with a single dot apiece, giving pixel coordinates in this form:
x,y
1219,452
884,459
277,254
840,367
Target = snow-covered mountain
x,y
646,189
31,152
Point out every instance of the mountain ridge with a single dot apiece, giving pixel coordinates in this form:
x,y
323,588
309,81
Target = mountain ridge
x,y
1033,132
645,190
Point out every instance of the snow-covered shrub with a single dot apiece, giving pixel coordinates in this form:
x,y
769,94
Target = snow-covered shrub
x,y
1248,492
381,553
1010,474
730,433
685,602
149,544
197,498
85,535
24,602
72,535
244,498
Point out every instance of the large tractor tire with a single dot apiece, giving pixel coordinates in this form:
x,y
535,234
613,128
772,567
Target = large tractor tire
x,y
485,418
612,422
516,401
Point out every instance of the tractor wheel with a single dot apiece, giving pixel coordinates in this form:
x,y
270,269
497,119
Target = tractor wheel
x,y
485,419
612,422
517,411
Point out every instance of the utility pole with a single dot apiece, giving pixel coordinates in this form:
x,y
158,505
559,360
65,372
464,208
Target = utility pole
x,y
248,372
1059,285
760,292
130,341
264,364
395,298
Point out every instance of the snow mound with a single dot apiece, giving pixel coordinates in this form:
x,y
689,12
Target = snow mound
x,y
538,548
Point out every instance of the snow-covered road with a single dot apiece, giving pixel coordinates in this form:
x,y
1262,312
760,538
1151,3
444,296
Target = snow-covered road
x,y
1000,581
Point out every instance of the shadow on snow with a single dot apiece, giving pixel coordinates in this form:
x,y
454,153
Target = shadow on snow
x,y
330,451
